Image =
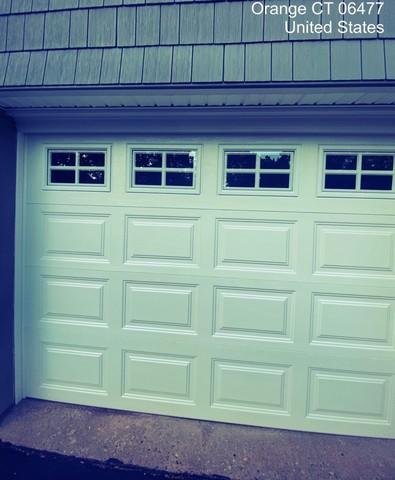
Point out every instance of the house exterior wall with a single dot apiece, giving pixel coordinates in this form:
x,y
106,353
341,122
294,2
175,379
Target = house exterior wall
x,y
7,222
136,42
186,45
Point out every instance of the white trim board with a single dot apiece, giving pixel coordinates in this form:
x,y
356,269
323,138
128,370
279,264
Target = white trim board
x,y
292,121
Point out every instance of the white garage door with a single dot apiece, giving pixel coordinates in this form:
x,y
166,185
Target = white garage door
x,y
247,283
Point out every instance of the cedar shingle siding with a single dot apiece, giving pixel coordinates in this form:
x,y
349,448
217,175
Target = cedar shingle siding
x,y
129,42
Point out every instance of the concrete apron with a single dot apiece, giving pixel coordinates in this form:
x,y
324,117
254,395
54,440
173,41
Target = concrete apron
x,y
195,447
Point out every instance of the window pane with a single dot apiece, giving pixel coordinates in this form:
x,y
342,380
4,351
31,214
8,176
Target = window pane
x,y
92,177
341,162
275,160
179,179
376,182
240,180
148,178
148,159
274,180
377,162
179,160
62,176
340,182
241,160
62,159
92,159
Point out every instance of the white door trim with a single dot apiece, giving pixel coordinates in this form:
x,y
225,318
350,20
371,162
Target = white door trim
x,y
19,262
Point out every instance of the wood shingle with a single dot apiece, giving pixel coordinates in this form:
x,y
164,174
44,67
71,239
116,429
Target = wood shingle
x,y
88,66
346,60
373,60
126,27
5,6
60,67
169,24
282,62
40,5
3,33
111,66
311,61
234,63
15,32
132,65
57,30
252,28
207,64
228,20
102,27
147,25
79,29
258,62
157,65
3,66
197,23
182,64
17,68
36,68
34,31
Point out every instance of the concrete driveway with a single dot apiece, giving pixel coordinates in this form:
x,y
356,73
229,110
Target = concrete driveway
x,y
193,447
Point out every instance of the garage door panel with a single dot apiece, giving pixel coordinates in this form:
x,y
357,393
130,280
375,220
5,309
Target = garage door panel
x,y
73,300
160,306
353,396
255,245
251,386
355,321
253,314
70,234
75,237
363,250
164,378
161,240
73,367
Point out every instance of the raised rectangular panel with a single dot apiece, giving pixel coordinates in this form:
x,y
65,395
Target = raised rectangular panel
x,y
352,320
254,244
255,314
355,249
250,386
158,306
349,396
72,367
160,240
157,377
72,300
74,235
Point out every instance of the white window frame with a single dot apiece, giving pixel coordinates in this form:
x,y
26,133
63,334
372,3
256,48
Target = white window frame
x,y
358,150
255,191
77,148
163,148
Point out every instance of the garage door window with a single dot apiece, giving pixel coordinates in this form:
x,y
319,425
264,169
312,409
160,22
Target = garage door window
x,y
359,172
164,171
257,171
84,169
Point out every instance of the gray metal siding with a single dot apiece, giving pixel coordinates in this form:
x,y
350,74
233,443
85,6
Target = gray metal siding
x,y
190,35
7,219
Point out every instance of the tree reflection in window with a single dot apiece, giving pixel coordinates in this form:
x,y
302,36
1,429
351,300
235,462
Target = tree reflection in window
x,y
76,167
258,170
166,169
359,172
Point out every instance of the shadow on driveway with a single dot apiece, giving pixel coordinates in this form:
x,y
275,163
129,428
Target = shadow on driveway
x,y
26,463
